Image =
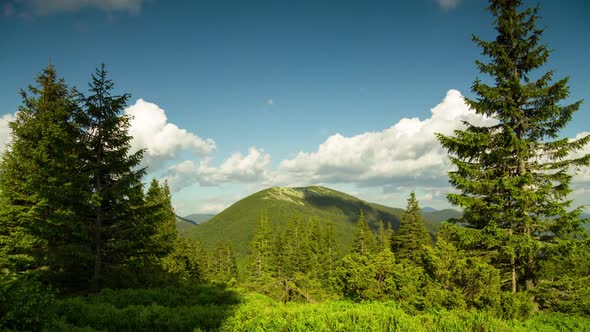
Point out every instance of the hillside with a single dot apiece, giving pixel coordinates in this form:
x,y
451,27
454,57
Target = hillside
x,y
237,223
438,216
183,225
199,218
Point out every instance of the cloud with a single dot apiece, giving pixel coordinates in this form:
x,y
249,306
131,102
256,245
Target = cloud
x,y
582,175
50,7
162,140
405,153
270,102
237,168
448,4
5,131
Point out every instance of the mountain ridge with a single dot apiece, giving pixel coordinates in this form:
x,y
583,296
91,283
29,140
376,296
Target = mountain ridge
x,y
237,223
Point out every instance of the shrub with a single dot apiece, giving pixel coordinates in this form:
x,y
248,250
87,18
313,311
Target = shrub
x,y
25,303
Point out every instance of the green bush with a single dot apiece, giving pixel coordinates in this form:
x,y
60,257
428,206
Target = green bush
x,y
25,303
168,309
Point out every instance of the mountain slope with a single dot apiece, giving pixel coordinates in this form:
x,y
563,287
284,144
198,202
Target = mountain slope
x,y
199,218
183,225
238,222
438,216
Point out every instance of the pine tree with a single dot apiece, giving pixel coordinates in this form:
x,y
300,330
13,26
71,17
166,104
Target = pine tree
x,y
261,250
160,225
187,261
117,193
330,249
383,237
412,234
513,177
42,185
363,242
297,256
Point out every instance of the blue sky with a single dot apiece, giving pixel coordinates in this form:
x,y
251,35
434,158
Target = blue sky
x,y
237,96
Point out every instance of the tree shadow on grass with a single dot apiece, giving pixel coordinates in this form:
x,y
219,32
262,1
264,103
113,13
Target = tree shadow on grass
x,y
203,306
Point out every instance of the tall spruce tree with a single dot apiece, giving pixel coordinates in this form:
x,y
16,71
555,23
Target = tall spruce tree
x,y
160,225
261,250
513,178
116,187
363,242
412,234
42,185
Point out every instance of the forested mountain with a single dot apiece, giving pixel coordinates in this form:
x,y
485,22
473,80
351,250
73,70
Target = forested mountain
x,y
237,222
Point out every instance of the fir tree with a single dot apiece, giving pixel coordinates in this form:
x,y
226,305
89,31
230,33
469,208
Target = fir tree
x,y
297,255
412,234
261,249
117,192
42,185
160,225
383,237
363,242
329,260
513,177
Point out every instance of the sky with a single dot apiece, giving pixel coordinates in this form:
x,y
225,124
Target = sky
x,y
231,97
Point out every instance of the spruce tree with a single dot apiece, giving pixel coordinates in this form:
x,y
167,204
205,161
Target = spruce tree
x,y
297,256
43,186
160,225
383,237
412,234
329,259
261,250
363,242
513,177
117,193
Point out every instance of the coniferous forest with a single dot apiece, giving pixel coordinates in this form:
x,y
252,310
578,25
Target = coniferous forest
x,y
87,243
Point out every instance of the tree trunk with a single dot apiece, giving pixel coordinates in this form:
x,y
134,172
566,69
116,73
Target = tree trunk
x,y
513,267
95,284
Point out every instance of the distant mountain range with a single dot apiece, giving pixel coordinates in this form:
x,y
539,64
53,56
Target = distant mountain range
x,y
238,222
184,224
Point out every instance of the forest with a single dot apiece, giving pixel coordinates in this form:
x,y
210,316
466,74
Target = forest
x,y
87,243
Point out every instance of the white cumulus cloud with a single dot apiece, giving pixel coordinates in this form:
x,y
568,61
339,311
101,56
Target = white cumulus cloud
x,y
582,175
162,140
238,168
405,152
5,131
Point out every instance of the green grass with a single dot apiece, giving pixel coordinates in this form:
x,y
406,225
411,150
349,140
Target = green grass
x,y
260,313
216,308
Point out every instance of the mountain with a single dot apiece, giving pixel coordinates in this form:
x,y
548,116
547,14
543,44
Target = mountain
x,y
428,209
199,218
238,222
438,216
183,225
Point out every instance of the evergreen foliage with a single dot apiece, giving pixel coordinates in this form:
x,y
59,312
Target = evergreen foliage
x,y
363,242
513,177
73,209
116,187
160,220
412,236
43,185
261,250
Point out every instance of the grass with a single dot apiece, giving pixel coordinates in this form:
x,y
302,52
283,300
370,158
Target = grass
x,y
215,308
259,313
